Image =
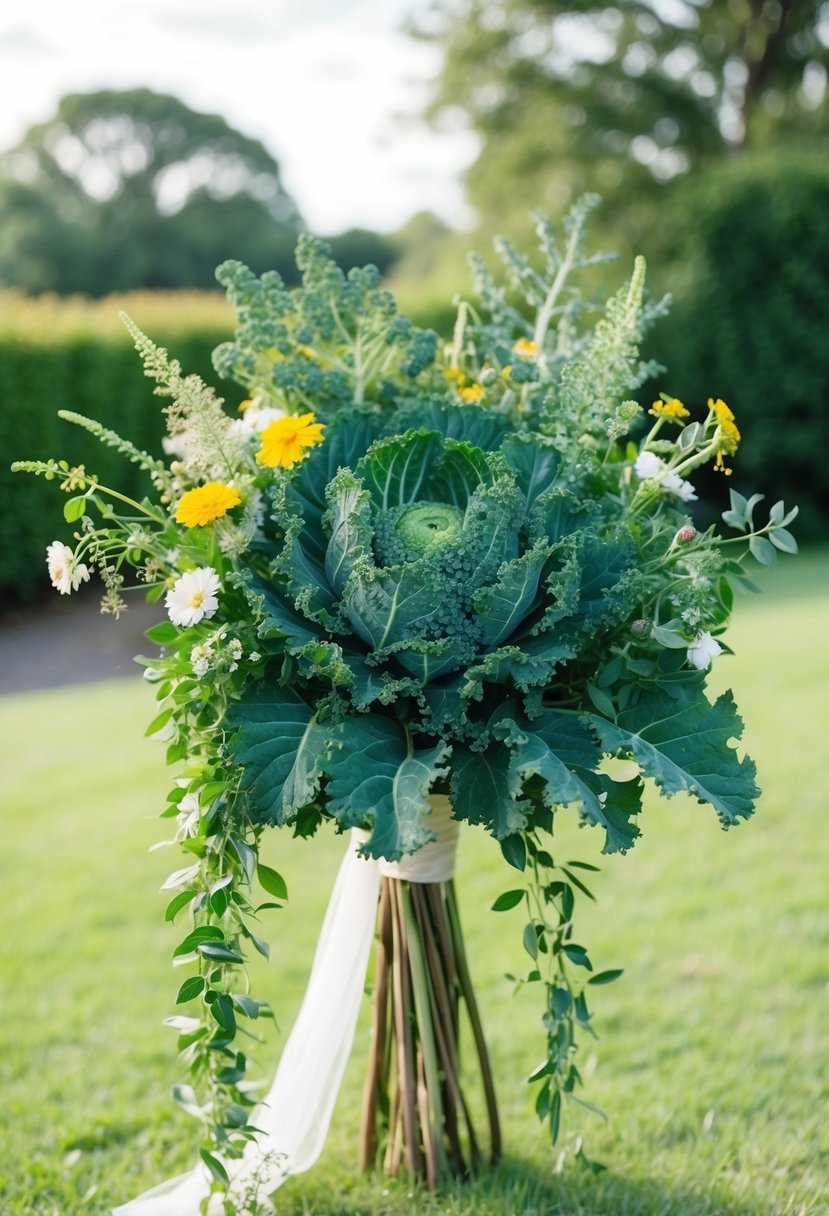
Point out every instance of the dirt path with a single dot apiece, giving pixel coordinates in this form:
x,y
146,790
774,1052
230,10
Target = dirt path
x,y
65,640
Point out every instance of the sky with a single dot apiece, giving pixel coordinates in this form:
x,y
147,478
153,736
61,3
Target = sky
x,y
333,88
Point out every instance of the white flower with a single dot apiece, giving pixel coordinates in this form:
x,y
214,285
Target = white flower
x,y
648,465
66,573
189,813
201,658
254,420
702,650
182,445
193,596
254,656
234,647
673,484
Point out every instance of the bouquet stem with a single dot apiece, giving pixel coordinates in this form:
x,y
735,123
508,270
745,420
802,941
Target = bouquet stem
x,y
414,1108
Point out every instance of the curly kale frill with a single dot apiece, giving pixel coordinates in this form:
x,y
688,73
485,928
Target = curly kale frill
x,y
442,605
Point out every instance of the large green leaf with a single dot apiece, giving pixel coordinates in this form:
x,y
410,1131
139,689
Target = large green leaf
x,y
370,683
560,750
280,745
460,471
491,530
560,513
306,583
469,423
390,605
485,791
396,469
376,776
535,461
280,617
594,586
347,438
502,606
684,745
348,522
530,663
429,660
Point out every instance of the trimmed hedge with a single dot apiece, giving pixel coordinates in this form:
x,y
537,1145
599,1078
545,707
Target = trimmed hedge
x,y
750,321
75,354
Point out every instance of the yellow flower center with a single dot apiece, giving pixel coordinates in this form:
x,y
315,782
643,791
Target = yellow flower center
x,y
473,394
524,348
197,599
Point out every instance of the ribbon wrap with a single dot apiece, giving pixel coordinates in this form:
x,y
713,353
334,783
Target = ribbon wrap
x,y
295,1115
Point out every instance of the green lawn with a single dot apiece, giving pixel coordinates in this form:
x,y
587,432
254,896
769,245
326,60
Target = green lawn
x,y
713,1061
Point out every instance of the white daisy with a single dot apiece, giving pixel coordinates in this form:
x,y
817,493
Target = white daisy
x,y
193,596
66,573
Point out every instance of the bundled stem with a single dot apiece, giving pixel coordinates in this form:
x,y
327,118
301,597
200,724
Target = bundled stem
x,y
414,1107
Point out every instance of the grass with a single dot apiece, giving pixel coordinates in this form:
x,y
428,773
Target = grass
x,y
712,1061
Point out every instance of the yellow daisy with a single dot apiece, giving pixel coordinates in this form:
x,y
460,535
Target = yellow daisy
x,y
284,441
206,503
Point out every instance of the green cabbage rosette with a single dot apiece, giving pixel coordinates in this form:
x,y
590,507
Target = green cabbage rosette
x,y
440,611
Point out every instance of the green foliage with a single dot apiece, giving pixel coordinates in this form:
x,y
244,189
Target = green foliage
x,y
749,323
57,236
77,357
570,96
336,339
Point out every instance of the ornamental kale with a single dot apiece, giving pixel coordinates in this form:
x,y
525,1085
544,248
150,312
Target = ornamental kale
x,y
467,611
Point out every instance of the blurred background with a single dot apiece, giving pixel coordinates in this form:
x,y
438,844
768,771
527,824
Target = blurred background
x,y
142,145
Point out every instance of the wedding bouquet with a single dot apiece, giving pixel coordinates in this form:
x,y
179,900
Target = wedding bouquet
x,y
412,585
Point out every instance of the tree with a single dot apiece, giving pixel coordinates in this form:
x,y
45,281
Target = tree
x,y
134,189
621,97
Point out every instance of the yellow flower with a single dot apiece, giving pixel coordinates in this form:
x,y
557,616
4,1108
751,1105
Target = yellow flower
x,y
244,405
728,435
206,503
472,395
506,372
455,373
672,408
284,441
524,348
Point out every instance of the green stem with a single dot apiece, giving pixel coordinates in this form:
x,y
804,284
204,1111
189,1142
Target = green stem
x,y
545,313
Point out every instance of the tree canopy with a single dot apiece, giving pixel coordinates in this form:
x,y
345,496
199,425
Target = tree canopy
x,y
619,97
124,189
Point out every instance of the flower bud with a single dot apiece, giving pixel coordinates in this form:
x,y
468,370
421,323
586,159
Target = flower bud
x,y
640,627
684,535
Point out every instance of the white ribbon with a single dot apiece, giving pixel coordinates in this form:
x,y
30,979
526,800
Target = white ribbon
x,y
295,1115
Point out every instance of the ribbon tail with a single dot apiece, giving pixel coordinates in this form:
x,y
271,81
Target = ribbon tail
x,y
295,1115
